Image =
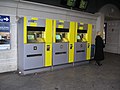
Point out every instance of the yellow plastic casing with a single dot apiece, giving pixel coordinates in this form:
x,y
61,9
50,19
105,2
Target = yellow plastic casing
x,y
71,37
89,41
48,42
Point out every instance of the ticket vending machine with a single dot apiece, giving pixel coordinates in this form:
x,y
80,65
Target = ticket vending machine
x,y
83,38
33,44
60,42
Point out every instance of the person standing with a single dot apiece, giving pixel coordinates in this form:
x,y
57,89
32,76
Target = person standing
x,y
99,45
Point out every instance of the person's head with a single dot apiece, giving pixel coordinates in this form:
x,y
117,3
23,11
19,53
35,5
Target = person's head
x,y
98,33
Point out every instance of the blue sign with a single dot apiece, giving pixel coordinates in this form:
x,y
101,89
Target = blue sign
x,y
4,18
4,32
4,27
4,23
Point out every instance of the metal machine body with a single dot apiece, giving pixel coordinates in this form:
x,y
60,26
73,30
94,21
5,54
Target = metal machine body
x,y
60,53
32,45
33,56
82,42
60,42
80,51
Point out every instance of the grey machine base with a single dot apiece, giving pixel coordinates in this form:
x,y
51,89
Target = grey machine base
x,y
81,62
52,68
56,67
35,71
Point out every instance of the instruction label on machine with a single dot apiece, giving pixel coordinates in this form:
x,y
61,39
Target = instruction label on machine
x,y
4,32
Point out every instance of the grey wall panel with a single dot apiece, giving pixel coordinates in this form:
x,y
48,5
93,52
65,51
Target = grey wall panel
x,y
7,10
112,38
40,14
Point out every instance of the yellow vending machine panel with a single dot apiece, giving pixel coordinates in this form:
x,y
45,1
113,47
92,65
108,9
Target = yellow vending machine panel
x,y
60,42
71,38
82,41
89,41
32,42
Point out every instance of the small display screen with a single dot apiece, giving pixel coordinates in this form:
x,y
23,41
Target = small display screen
x,y
78,37
31,37
58,37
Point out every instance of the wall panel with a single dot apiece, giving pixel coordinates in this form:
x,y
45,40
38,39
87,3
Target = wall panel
x,y
8,58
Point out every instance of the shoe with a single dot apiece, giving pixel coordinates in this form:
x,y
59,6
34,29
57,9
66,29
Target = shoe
x,y
99,64
96,63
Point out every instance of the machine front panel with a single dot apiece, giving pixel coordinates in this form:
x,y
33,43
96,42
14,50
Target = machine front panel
x,y
80,51
35,22
60,53
33,49
33,62
62,24
33,56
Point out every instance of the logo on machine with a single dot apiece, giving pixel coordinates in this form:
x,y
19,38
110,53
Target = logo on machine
x,y
61,46
35,48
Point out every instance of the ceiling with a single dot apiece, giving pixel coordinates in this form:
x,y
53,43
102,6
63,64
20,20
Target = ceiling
x,y
92,7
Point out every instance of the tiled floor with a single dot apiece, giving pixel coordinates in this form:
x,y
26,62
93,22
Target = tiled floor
x,y
83,77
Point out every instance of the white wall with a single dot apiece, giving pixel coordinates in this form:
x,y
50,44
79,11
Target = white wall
x,y
8,58
13,8
112,18
113,37
99,23
110,11
119,40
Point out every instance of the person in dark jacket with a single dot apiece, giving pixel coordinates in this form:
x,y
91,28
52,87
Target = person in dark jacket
x,y
99,45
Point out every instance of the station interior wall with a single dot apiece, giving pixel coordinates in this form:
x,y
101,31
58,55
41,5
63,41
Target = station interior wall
x,y
16,9
112,18
113,36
